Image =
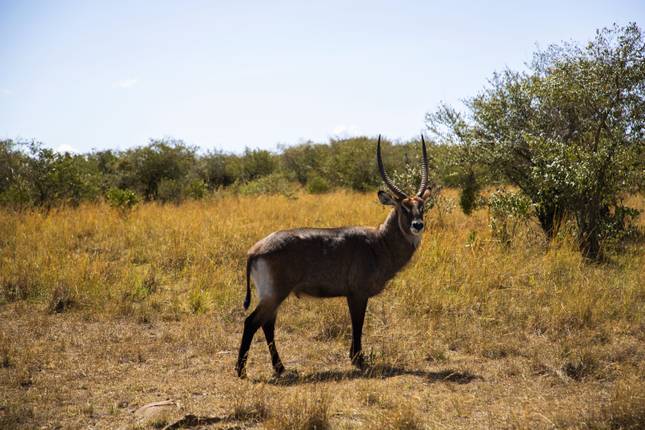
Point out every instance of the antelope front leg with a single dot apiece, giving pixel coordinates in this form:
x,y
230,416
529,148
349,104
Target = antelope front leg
x,y
357,306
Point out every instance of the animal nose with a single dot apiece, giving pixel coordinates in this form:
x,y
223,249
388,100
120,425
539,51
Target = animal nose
x,y
417,225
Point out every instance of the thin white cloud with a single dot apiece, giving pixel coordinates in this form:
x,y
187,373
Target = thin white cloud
x,y
125,83
61,149
345,130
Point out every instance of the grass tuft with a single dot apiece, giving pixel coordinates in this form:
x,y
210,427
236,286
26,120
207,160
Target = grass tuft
x,y
63,298
311,413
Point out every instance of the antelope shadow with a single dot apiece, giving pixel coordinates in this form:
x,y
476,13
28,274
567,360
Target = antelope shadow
x,y
374,372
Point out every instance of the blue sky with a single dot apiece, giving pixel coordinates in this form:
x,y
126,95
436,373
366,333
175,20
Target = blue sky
x,y
221,74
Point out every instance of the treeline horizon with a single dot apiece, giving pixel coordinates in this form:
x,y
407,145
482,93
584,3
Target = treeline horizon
x,y
169,170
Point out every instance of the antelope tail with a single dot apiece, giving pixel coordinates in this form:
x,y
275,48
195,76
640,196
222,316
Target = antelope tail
x,y
247,300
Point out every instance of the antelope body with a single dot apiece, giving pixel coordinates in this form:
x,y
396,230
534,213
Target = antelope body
x,y
352,262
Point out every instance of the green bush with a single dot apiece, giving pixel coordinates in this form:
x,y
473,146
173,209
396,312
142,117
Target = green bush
x,y
144,168
122,200
170,191
406,167
408,177
300,162
352,163
196,189
256,164
219,169
508,211
468,199
272,184
16,196
317,184
619,226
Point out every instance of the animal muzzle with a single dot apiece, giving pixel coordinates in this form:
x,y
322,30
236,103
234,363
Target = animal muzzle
x,y
416,227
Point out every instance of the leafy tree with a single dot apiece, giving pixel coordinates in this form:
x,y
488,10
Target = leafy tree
x,y
568,131
303,161
351,163
219,169
144,168
15,190
10,159
51,178
105,164
170,191
256,163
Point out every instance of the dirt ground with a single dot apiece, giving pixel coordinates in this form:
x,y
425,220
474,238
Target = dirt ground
x,y
68,371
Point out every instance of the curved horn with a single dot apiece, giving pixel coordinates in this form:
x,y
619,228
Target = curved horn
x,y
424,174
396,190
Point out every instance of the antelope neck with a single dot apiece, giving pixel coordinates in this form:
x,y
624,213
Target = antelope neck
x,y
399,245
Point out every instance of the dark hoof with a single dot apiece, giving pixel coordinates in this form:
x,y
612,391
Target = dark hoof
x,y
279,369
359,362
241,371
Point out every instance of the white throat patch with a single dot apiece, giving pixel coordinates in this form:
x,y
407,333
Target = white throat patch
x,y
415,239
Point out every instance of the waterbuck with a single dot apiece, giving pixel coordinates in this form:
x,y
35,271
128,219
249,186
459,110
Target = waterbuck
x,y
352,262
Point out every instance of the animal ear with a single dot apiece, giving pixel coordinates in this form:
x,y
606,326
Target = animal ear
x,y
426,194
429,192
386,199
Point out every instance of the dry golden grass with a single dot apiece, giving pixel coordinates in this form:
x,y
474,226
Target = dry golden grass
x,y
101,314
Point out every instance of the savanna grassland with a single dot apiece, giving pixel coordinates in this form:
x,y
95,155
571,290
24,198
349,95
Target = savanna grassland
x,y
103,312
